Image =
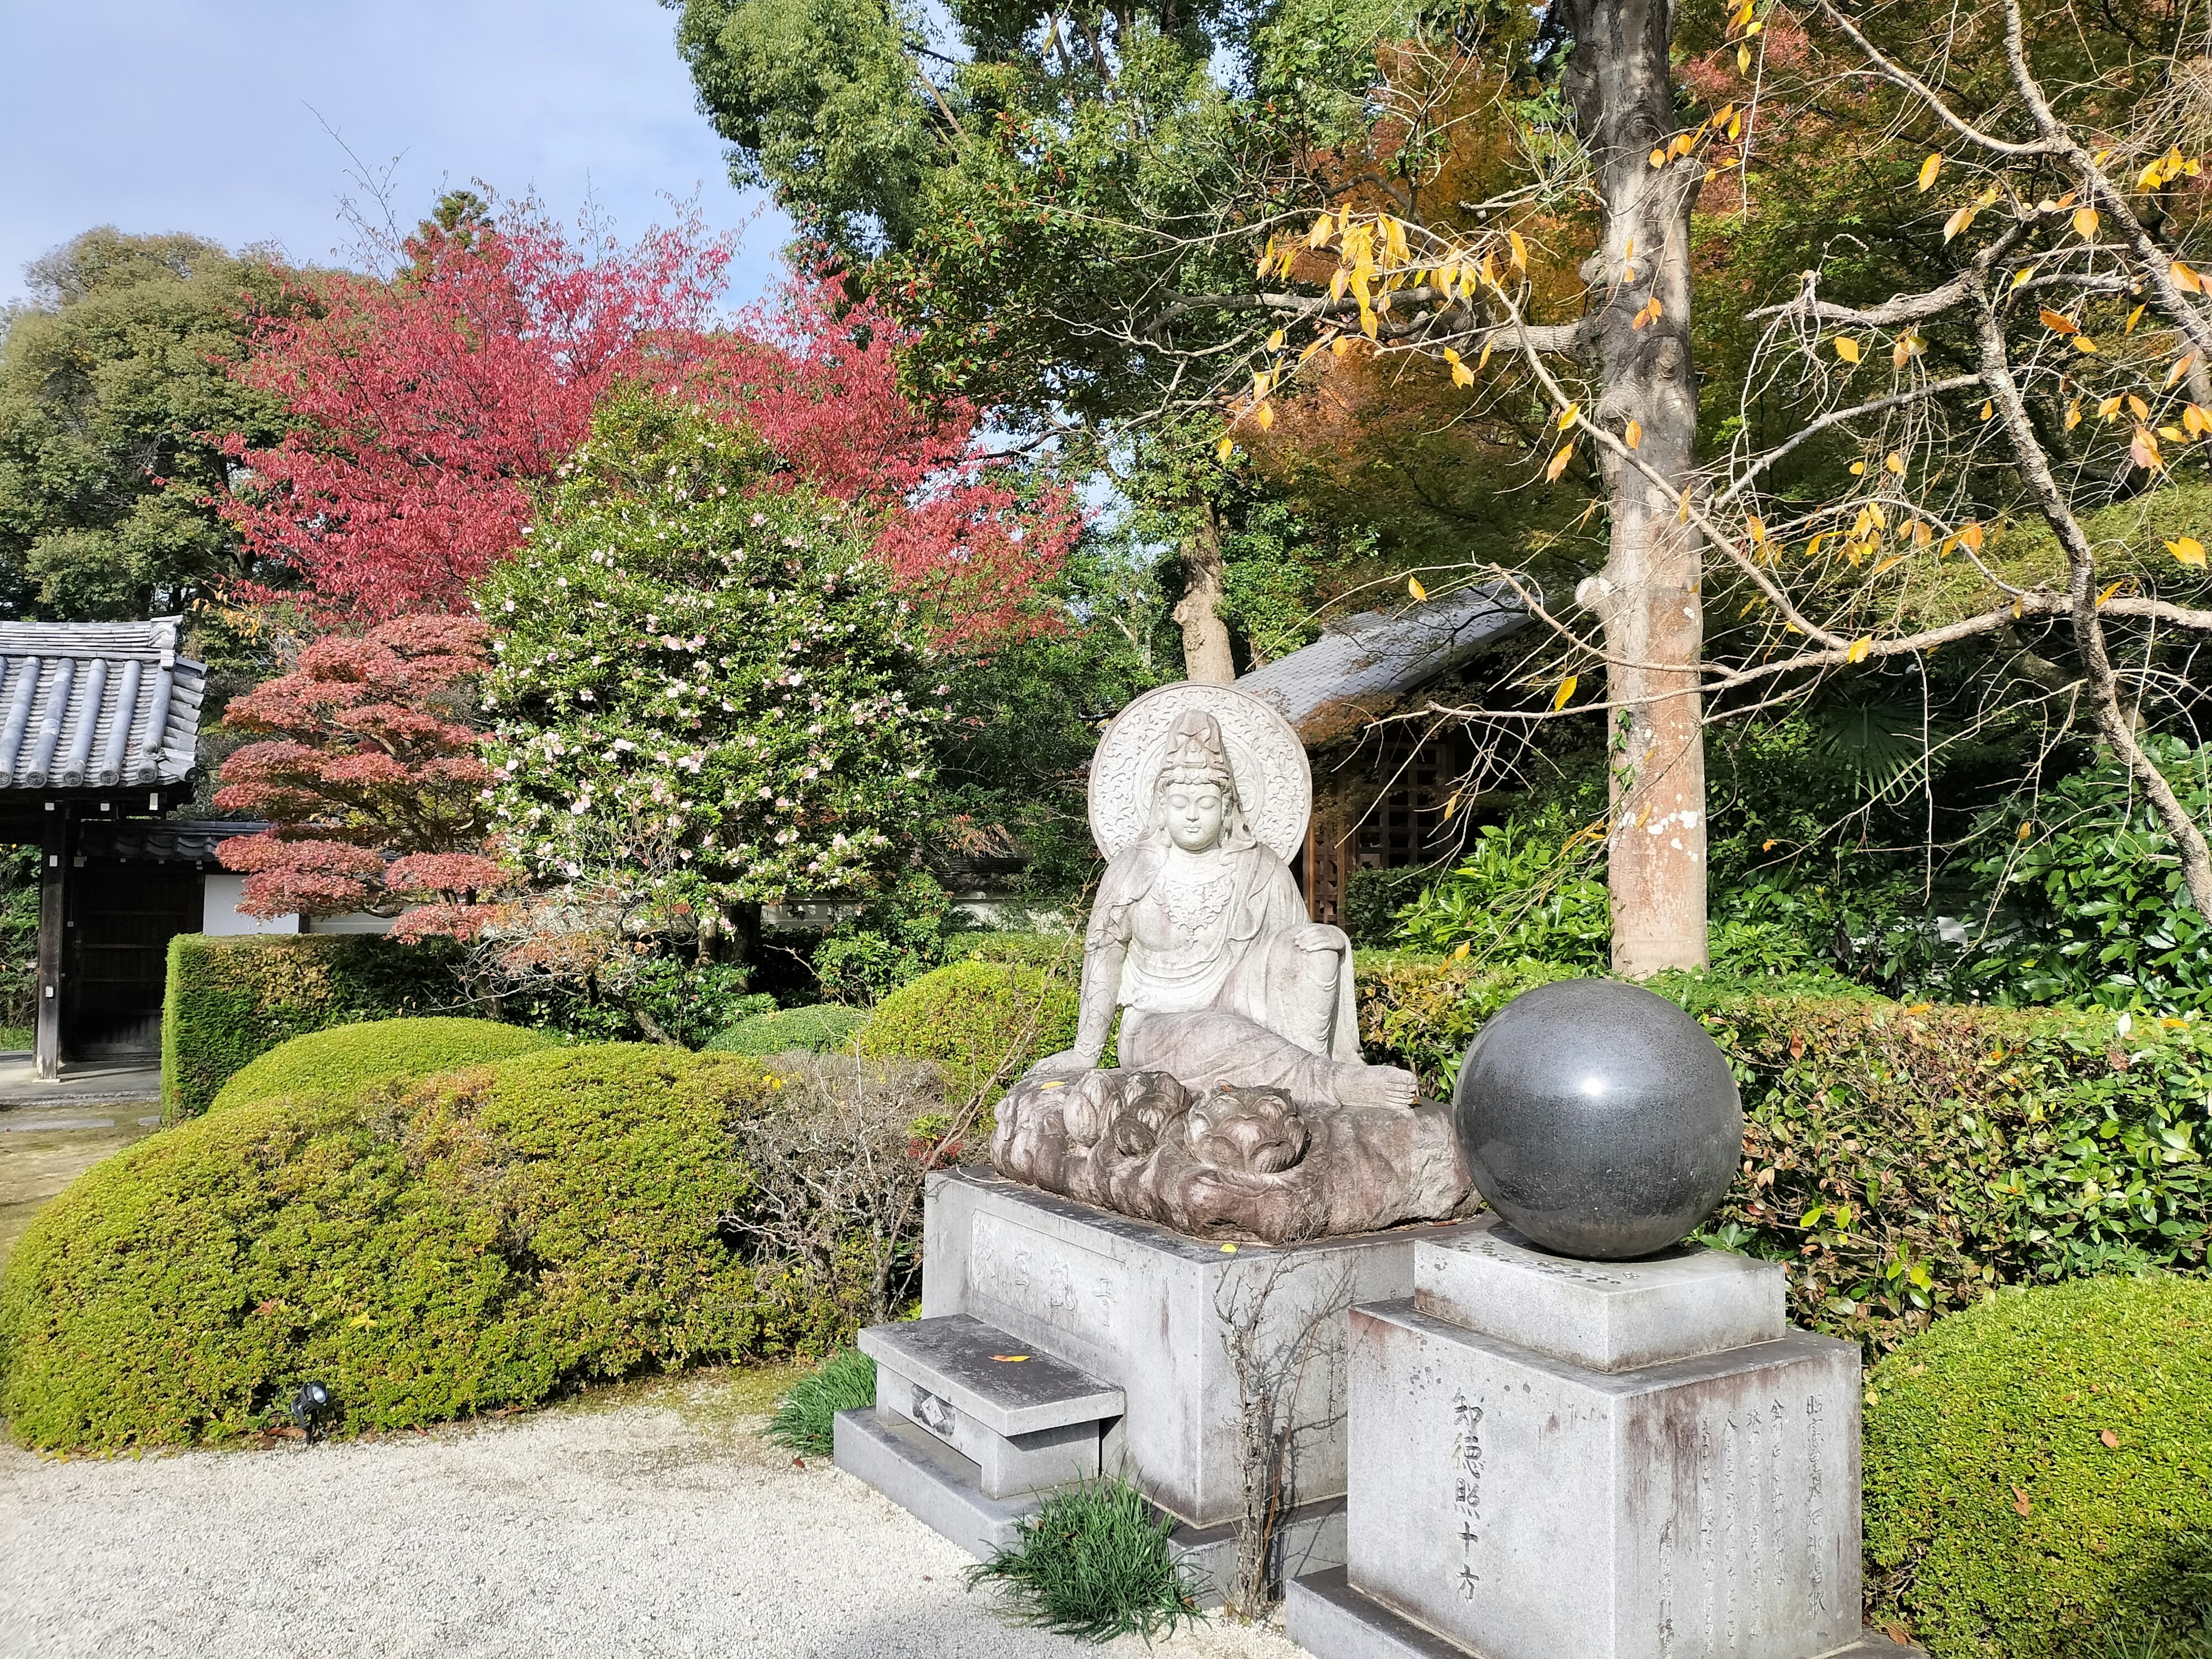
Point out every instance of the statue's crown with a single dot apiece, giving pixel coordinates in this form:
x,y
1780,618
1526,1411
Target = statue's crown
x,y
1195,753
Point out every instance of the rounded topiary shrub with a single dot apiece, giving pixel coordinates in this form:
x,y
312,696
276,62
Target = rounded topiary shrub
x,y
981,1023
2039,1471
342,1059
487,1238
816,1030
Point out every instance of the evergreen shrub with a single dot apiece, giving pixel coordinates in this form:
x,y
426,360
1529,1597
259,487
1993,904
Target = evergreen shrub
x,y
346,1059
231,1000
815,1030
1902,1159
2039,1471
980,1023
482,1239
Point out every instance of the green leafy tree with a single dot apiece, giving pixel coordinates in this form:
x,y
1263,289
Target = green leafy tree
x,y
703,691
114,396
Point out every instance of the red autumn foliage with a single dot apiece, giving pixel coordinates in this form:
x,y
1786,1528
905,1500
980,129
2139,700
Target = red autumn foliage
x,y
362,757
427,406
818,378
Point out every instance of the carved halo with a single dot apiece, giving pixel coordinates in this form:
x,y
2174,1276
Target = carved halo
x,y
1273,781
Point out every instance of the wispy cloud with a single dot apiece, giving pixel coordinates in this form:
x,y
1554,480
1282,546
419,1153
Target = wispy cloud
x,y
209,115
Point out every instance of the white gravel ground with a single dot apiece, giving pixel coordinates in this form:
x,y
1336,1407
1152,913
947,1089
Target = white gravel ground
x,y
660,1525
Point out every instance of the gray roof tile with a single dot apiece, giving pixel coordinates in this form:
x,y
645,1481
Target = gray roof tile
x,y
96,705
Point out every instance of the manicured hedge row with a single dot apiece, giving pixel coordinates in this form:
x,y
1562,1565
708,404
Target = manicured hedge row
x,y
489,1237
346,1059
980,1023
2039,1475
1903,1160
230,1000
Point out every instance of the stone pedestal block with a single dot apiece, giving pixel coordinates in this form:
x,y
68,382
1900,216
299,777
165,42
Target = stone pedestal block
x,y
1653,1498
1150,1312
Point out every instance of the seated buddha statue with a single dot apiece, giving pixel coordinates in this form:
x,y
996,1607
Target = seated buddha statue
x,y
1200,939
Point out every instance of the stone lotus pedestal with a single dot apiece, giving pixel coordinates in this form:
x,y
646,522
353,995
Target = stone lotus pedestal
x,y
1560,1459
1118,1306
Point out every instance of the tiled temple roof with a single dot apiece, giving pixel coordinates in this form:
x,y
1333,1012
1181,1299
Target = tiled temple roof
x,y
96,705
1362,667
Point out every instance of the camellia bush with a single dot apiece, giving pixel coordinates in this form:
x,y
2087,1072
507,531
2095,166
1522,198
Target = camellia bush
x,y
703,688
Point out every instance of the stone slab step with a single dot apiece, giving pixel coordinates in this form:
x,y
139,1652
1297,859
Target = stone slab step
x,y
1331,1620
928,1480
1005,1385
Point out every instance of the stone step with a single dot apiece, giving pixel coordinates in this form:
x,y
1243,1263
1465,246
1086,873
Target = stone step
x,y
1003,1384
1330,1620
930,1480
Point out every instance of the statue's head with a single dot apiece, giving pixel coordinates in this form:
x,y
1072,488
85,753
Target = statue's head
x,y
1194,798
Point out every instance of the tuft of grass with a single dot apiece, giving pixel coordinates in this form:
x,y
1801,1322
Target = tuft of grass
x,y
845,1382
1093,1564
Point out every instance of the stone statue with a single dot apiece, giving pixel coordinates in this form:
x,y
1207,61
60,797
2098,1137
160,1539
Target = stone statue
x,y
1242,1102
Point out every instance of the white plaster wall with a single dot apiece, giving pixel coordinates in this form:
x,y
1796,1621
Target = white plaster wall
x,y
219,911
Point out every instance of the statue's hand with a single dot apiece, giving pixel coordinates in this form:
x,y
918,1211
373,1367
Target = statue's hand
x,y
1068,1063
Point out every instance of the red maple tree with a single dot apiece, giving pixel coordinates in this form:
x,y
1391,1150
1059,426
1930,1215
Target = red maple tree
x,y
370,783
426,407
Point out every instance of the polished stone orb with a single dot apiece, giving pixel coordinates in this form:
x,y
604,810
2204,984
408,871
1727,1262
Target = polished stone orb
x,y
1598,1119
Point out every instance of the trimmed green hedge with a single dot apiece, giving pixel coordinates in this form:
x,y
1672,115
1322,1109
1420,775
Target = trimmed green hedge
x,y
346,1059
231,1000
488,1238
2039,1471
815,1030
1904,1159
981,1023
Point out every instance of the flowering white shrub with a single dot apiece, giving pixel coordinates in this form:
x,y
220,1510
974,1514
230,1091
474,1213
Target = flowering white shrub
x,y
695,670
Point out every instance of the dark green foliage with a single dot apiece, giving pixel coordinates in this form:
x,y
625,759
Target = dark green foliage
x,y
845,1382
2096,909
114,401
487,1238
230,1000
19,935
345,1060
1903,1158
2000,1522
816,1029
897,934
1093,1564
981,1023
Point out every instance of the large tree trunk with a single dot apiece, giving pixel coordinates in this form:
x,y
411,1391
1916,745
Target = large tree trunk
x,y
1647,597
1206,653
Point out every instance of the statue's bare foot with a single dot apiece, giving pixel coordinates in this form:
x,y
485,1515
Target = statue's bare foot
x,y
1375,1085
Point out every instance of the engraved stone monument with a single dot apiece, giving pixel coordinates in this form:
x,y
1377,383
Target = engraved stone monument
x,y
1242,1167
1556,1457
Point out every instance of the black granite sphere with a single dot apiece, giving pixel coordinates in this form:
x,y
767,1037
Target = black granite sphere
x,y
1598,1119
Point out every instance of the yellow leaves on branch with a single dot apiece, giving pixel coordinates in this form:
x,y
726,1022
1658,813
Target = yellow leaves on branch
x,y
1558,463
1964,216
1568,415
1860,647
2189,550
2058,322
1520,250
1928,169
2142,450
1909,346
2168,167
1847,348
1264,415
1414,586
1462,375
1566,690
1647,313
1633,434
2173,375
2183,278
1225,449
2085,223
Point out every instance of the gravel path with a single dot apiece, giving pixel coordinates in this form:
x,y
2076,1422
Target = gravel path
x,y
659,1524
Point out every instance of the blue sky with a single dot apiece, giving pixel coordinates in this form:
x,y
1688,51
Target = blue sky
x,y
202,116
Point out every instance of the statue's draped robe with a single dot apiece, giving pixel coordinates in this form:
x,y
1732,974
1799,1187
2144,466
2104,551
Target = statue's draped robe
x,y
1219,1008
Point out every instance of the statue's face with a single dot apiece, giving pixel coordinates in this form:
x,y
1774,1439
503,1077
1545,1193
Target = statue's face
x,y
1194,813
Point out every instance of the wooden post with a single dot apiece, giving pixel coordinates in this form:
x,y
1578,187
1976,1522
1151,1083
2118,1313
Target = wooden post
x,y
53,901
